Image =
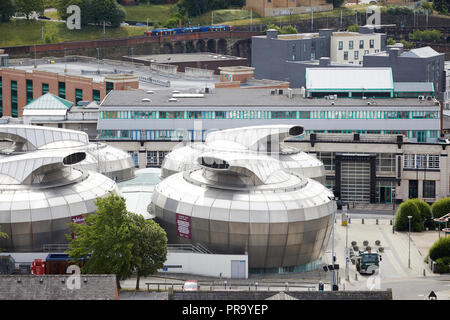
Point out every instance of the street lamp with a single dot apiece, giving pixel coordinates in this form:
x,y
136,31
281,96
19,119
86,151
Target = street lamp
x,y
332,198
409,242
393,213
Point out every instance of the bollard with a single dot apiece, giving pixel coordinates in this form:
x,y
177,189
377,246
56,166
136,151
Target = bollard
x,y
349,220
158,287
362,220
376,221
390,222
424,274
356,276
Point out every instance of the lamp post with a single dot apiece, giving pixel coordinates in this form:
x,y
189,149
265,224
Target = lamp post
x,y
409,242
393,213
332,198
98,60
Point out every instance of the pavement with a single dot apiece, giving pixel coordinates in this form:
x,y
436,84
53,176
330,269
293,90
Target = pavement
x,y
407,283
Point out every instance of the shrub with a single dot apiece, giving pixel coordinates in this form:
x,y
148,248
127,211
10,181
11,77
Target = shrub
x,y
399,10
289,30
408,208
406,44
390,42
427,6
443,265
440,249
425,212
353,28
440,207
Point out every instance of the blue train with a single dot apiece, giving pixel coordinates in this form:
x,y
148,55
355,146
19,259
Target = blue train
x,y
168,32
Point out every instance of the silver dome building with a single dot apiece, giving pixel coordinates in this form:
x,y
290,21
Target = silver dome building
x,y
42,187
247,202
262,139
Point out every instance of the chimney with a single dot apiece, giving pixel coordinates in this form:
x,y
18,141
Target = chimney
x,y
272,34
394,53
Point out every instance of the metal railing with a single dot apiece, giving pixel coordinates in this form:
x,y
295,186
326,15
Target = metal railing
x,y
198,248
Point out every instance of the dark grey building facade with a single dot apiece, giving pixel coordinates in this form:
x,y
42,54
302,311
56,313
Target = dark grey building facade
x,y
416,65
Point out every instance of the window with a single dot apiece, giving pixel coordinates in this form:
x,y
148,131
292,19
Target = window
x,y
356,55
350,45
366,52
429,188
62,90
372,43
45,88
194,114
345,55
328,160
340,45
304,114
171,114
109,86
29,84
413,189
78,95
220,114
135,156
14,98
421,161
385,162
284,114
361,44
96,95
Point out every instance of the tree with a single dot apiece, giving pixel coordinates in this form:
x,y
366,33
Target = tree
x,y
441,6
440,207
7,10
390,42
336,3
27,7
3,236
440,249
94,11
106,238
149,247
353,28
425,212
408,208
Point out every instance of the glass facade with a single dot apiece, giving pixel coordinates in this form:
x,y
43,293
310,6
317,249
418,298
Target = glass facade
x,y
256,114
155,158
14,105
29,84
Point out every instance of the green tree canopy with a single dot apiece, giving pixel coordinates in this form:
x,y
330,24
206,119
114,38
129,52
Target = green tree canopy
x,y
28,7
3,236
390,41
149,247
7,10
408,208
442,6
440,249
117,241
335,3
195,8
425,212
94,11
353,28
440,207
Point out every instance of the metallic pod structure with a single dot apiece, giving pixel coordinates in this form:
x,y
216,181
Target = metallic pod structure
x,y
247,202
267,140
42,186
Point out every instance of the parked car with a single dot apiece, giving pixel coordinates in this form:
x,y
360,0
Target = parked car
x,y
44,18
191,285
140,24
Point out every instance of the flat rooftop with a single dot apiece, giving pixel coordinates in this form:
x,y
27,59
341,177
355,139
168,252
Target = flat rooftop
x,y
245,97
183,57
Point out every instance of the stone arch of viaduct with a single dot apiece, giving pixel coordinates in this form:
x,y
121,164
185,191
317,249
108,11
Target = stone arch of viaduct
x,y
235,47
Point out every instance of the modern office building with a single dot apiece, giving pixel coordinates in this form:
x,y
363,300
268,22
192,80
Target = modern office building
x,y
247,202
285,57
368,168
416,65
44,186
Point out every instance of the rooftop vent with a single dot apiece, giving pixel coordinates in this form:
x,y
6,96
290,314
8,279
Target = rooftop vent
x,y
150,92
175,91
173,100
146,100
421,98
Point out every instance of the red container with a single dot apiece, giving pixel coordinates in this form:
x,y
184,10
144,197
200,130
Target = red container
x,y
38,267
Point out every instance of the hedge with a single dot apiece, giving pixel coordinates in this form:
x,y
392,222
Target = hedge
x,y
443,265
425,212
408,208
440,207
440,249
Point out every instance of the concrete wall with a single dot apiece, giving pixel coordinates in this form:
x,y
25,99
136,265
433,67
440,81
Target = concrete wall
x,y
212,265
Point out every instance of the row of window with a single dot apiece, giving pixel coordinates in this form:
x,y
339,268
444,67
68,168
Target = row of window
x,y
385,162
154,158
361,44
421,161
428,191
255,114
